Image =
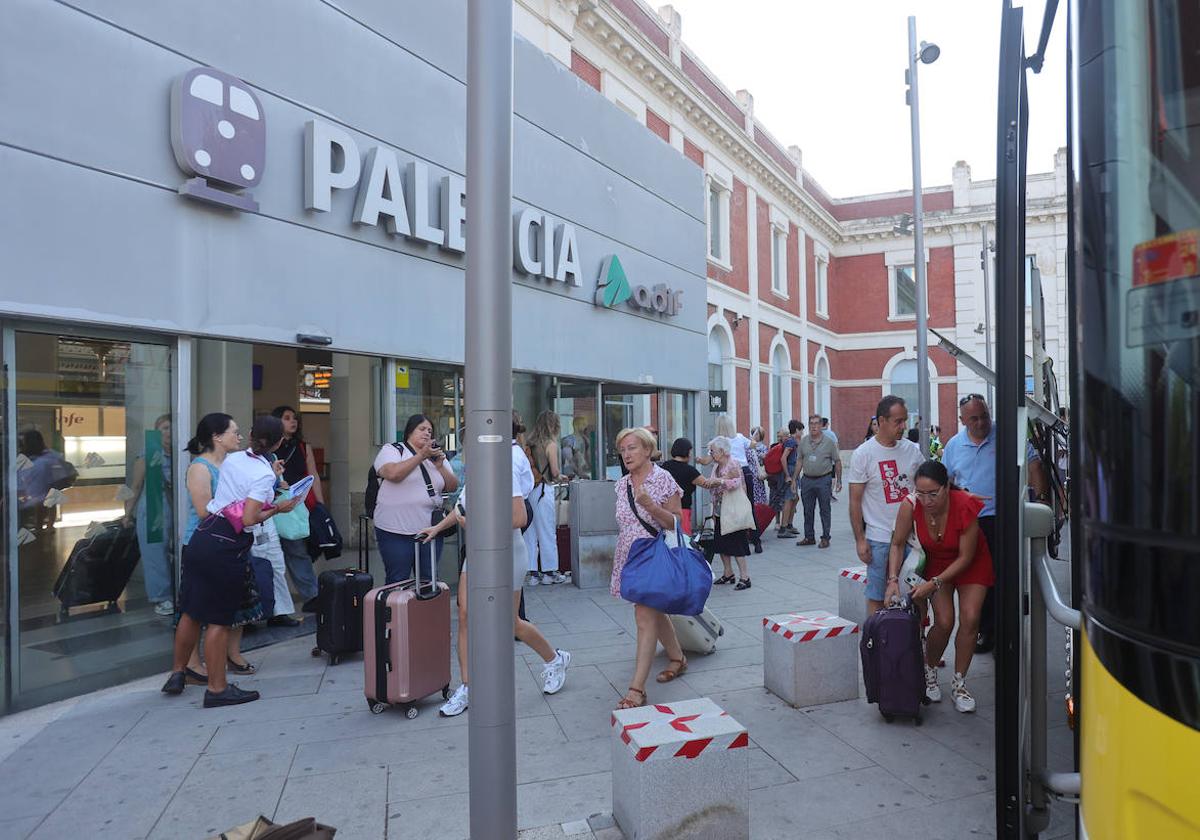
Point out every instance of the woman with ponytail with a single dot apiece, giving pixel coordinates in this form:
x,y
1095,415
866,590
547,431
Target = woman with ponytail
x,y
214,574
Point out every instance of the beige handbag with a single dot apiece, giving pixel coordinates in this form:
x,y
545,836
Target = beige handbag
x,y
562,505
736,513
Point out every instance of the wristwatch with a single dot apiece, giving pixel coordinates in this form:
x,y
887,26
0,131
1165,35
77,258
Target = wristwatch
x,y
893,579
937,583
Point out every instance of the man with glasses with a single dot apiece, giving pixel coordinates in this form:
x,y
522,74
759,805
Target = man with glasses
x,y
882,471
970,459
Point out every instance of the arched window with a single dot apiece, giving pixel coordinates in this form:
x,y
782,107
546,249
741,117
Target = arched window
x,y
718,353
904,384
822,396
780,392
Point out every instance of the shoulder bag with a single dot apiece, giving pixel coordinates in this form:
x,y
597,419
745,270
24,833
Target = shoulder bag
x,y
736,513
674,580
439,511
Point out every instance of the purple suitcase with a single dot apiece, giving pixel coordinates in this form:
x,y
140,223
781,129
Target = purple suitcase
x,y
893,662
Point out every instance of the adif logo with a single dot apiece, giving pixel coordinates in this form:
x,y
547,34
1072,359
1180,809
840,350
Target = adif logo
x,y
219,135
613,289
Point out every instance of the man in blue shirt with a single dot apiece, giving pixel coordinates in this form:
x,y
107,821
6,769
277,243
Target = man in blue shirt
x,y
970,459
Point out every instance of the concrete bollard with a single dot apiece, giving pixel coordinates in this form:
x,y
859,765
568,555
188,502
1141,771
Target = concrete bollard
x,y
810,658
680,770
852,594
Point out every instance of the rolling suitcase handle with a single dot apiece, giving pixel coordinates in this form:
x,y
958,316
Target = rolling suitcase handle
x,y
421,546
364,536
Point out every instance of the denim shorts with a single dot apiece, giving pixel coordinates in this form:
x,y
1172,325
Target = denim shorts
x,y
877,570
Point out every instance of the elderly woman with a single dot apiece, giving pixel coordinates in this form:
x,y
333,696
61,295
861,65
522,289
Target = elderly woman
x,y
727,475
656,501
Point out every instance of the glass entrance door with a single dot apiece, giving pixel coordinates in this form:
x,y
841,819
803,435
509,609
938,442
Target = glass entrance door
x,y
89,451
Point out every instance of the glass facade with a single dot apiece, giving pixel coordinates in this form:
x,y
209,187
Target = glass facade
x,y
92,455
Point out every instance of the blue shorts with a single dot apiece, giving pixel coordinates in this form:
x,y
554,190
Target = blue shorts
x,y
877,570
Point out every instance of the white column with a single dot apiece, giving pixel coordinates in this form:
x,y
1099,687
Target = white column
x,y
755,417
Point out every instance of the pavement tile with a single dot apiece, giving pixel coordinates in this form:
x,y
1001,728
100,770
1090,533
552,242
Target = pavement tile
x,y
444,817
584,708
796,809
766,771
354,802
563,799
18,829
712,680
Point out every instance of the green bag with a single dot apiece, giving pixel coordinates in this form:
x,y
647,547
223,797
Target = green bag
x,y
292,525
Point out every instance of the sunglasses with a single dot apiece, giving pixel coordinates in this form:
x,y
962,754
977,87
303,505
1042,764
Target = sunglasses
x,y
970,397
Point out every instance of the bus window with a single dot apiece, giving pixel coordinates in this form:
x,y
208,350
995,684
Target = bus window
x,y
207,88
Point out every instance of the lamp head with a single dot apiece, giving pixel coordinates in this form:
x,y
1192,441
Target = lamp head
x,y
929,52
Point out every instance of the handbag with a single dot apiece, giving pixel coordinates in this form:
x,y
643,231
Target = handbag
x,y
676,581
736,512
292,525
562,505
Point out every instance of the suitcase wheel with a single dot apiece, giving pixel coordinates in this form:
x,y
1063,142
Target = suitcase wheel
x,y
376,708
334,659
887,717
411,712
316,651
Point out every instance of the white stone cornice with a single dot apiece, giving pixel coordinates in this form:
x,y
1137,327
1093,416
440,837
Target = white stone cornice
x,y
608,28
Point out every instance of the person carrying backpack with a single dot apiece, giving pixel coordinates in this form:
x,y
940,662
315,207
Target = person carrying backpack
x,y
408,480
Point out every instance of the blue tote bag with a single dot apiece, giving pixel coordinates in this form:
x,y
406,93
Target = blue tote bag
x,y
671,579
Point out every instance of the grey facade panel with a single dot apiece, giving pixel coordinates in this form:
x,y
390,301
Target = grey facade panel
x,y
98,221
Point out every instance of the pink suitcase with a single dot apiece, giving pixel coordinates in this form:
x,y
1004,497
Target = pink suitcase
x,y
406,642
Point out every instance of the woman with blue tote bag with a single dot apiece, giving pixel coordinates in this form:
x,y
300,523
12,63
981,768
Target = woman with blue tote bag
x,y
657,502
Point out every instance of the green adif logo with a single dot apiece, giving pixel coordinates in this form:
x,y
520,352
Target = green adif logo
x,y
613,289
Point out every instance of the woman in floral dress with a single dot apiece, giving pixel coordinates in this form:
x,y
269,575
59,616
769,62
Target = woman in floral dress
x,y
657,502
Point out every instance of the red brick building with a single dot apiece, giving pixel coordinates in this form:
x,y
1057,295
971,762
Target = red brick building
x,y
811,299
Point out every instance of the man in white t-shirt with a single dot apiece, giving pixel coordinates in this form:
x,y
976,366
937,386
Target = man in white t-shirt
x,y
881,475
554,671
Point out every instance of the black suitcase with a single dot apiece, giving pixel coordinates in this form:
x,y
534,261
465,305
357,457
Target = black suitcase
x,y
99,567
340,595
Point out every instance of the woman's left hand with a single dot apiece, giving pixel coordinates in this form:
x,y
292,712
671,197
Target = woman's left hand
x,y
277,466
923,591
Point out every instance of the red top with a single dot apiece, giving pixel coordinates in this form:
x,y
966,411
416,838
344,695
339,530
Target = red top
x,y
939,554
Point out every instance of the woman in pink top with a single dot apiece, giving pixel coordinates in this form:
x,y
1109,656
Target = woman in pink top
x,y
413,475
658,500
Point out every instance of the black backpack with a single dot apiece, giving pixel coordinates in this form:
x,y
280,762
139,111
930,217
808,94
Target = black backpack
x,y
371,496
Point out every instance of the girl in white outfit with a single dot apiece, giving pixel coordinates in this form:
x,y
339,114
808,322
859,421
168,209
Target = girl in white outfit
x,y
541,537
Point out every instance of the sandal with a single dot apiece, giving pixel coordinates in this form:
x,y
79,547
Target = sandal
x,y
744,583
669,674
724,579
626,703
243,669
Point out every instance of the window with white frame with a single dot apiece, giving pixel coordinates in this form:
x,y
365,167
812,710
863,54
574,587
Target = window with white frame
x,y
778,260
823,287
822,394
779,389
718,221
903,292
904,384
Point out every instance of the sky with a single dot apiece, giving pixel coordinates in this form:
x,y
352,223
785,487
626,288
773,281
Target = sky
x,y
828,76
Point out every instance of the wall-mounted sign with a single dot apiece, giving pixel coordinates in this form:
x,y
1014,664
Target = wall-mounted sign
x,y
718,401
613,289
219,135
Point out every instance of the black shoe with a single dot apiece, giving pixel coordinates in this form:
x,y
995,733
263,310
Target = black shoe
x,y
175,683
984,643
758,548
309,606
231,696
241,670
744,583
283,621
195,677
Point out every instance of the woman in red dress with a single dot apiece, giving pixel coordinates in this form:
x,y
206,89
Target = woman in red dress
x,y
947,524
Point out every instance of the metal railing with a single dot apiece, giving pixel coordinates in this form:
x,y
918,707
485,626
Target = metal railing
x,y
1043,598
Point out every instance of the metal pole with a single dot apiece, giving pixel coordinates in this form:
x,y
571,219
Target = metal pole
x,y
919,244
492,727
987,312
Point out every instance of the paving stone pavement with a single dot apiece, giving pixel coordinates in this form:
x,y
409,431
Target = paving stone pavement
x,y
132,763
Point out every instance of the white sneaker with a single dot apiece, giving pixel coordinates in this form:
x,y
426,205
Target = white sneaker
x,y
963,701
932,691
554,674
457,704
533,579
164,608
549,578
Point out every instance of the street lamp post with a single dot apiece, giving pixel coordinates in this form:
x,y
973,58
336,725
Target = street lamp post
x,y
926,54
491,736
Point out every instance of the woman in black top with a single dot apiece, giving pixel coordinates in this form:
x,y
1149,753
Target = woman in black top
x,y
298,461
685,475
